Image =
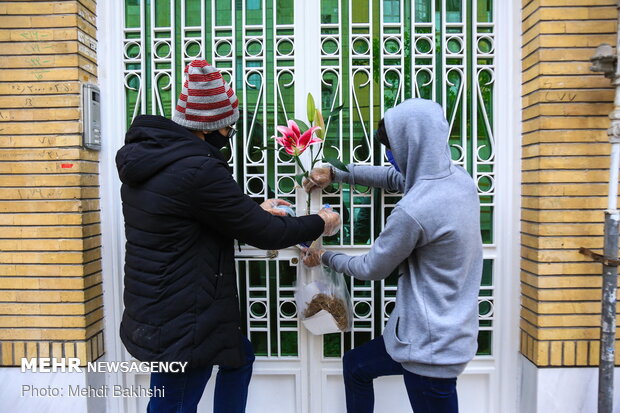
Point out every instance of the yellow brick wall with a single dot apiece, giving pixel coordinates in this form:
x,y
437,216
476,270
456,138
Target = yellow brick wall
x,y
565,171
51,301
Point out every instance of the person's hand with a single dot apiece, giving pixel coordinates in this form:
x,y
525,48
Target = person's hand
x,y
319,178
332,221
271,204
311,257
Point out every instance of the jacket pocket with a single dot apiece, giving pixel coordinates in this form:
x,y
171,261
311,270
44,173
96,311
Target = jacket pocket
x,y
397,333
395,343
206,278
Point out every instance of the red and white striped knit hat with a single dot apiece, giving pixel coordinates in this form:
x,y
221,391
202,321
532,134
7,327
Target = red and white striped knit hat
x,y
207,102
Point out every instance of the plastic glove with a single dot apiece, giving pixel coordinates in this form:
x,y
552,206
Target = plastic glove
x,y
271,204
319,178
332,221
311,257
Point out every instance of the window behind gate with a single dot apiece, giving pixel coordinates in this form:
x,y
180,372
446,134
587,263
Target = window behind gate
x,y
373,55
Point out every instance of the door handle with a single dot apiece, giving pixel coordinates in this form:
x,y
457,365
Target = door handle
x,y
270,254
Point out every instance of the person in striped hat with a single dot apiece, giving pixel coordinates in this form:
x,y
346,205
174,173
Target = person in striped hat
x,y
183,210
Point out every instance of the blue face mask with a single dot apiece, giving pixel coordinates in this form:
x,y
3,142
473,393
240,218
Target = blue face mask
x,y
391,160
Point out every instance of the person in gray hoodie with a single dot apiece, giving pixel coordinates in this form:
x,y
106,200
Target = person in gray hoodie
x,y
433,237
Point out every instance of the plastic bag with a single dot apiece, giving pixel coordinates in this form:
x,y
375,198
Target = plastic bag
x,y
323,301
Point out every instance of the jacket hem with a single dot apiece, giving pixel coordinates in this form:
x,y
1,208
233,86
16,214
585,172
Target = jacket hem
x,y
445,371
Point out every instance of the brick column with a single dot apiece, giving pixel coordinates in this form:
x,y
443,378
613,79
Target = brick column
x,y
565,166
51,302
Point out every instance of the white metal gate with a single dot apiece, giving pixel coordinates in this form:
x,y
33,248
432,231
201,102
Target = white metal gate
x,y
367,55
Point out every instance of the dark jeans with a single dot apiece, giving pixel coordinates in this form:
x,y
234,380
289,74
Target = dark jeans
x,y
365,363
182,391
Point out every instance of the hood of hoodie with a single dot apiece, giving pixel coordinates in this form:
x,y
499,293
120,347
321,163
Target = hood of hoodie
x,y
154,142
418,133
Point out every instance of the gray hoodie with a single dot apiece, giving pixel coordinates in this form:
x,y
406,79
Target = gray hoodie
x,y
432,236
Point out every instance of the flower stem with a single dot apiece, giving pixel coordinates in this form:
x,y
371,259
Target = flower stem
x,y
308,201
317,155
313,163
300,165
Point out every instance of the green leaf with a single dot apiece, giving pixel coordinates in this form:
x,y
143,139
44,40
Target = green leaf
x,y
336,163
311,107
300,178
334,112
303,126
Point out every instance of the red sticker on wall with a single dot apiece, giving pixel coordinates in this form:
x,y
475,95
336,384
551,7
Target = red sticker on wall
x,y
66,165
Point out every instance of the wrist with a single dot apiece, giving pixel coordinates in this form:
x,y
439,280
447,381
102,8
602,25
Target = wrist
x,y
340,175
324,258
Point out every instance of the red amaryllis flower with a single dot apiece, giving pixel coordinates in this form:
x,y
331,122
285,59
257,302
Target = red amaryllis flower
x,y
295,142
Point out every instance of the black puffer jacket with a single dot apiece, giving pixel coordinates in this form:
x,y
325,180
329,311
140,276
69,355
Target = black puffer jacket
x,y
182,212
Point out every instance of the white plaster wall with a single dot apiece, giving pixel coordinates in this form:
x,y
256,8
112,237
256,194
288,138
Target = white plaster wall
x,y
562,390
11,399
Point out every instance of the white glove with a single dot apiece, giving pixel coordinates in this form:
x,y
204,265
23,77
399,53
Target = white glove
x,y
311,257
271,204
319,178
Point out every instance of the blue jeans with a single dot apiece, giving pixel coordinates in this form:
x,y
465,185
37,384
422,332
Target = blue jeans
x,y
182,391
365,363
